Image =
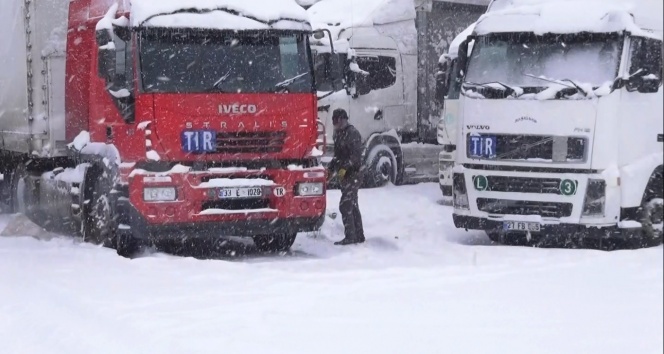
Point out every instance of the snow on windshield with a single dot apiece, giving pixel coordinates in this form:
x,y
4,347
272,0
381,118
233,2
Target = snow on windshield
x,y
513,60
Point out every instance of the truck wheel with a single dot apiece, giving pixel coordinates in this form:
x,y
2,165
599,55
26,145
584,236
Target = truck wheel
x,y
496,237
381,167
100,224
652,220
274,243
127,245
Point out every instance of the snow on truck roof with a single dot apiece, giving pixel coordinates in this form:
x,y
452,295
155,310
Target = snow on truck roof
x,y
571,16
338,15
220,14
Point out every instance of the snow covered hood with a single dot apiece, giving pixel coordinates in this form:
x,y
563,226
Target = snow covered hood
x,y
572,16
338,15
220,14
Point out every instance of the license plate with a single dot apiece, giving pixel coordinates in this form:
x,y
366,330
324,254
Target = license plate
x,y
240,192
482,146
521,226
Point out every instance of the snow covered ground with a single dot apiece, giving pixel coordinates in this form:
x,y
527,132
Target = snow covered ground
x,y
417,286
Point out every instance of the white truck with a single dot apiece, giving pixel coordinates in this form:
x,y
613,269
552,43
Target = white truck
x,y
382,62
560,121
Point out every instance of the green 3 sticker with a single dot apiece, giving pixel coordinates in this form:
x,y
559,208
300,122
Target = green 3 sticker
x,y
568,187
481,183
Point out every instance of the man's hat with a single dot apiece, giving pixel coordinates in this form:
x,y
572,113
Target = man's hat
x,y
339,114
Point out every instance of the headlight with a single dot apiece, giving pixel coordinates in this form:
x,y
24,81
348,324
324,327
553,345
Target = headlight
x,y
310,189
593,205
160,194
459,191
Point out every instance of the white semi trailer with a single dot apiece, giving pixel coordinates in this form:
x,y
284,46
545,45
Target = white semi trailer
x,y
560,121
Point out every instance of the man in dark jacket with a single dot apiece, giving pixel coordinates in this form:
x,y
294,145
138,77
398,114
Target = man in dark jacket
x,y
346,165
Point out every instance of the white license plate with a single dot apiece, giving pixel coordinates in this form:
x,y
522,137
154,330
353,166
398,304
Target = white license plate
x,y
240,192
521,226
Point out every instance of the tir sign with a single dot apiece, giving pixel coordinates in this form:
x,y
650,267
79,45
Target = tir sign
x,y
482,146
199,141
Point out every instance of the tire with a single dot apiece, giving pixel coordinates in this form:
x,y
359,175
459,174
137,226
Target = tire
x,y
100,225
494,236
127,245
652,221
382,167
274,243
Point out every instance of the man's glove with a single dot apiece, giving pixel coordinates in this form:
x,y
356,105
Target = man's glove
x,y
341,173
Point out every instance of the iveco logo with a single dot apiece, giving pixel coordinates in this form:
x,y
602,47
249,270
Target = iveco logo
x,y
237,108
478,127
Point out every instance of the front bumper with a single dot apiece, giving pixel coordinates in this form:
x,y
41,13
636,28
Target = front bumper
x,y
140,228
485,199
548,230
200,211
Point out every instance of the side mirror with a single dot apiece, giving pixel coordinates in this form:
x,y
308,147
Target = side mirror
x,y
643,82
105,55
319,34
442,80
464,54
336,72
649,84
362,85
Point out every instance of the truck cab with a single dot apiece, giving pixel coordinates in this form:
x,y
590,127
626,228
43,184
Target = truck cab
x,y
182,120
560,129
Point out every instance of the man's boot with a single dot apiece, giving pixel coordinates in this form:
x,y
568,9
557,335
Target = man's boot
x,y
348,241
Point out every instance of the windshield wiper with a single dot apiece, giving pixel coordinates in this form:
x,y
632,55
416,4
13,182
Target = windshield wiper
x,y
560,82
510,91
286,83
215,86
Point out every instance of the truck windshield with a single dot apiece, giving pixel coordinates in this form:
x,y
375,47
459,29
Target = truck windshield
x,y
190,61
524,60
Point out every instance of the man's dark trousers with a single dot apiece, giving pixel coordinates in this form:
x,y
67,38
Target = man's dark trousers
x,y
349,207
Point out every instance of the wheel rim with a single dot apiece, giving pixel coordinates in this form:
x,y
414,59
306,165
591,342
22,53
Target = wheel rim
x,y
384,171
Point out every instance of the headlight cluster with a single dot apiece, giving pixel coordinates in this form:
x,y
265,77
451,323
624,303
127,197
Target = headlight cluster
x,y
459,192
310,189
593,204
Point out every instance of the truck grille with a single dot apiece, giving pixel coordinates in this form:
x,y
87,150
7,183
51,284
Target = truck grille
x,y
522,207
523,185
250,142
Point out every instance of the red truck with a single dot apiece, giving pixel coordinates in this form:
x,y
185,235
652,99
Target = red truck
x,y
131,123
